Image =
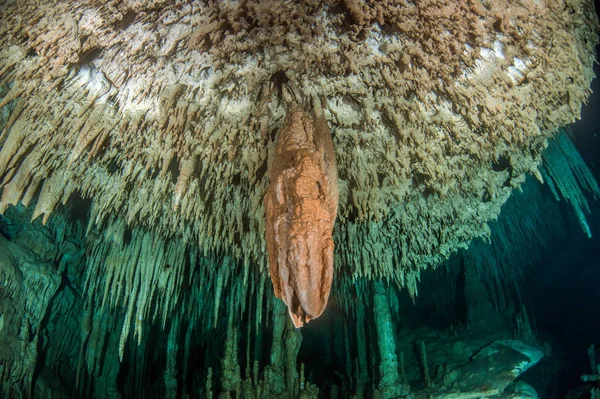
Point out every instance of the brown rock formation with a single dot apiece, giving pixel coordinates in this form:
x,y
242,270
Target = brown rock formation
x,y
301,205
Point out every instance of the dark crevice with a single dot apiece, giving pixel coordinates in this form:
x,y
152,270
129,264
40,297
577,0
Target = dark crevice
x,y
126,21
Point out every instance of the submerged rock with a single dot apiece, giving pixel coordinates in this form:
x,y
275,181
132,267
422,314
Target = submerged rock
x,y
491,371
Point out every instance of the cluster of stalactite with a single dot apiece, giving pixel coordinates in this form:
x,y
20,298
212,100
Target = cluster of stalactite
x,y
506,255
419,107
569,177
243,345
159,120
81,343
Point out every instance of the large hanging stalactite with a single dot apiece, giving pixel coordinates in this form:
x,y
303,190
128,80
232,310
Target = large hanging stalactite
x,y
301,206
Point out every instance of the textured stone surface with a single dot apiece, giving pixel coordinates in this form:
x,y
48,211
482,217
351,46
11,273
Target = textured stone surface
x,y
27,285
301,205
